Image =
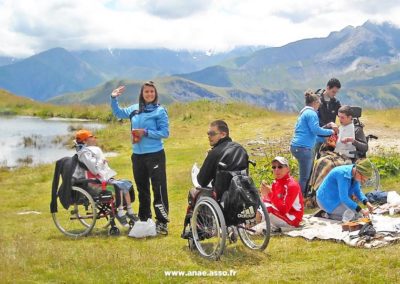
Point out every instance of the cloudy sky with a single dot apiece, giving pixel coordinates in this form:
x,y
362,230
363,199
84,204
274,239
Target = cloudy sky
x,y
31,26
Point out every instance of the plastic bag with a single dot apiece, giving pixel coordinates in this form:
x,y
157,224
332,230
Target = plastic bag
x,y
143,229
393,198
348,215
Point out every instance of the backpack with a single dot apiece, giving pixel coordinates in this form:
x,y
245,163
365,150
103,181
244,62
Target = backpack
x,y
240,202
320,92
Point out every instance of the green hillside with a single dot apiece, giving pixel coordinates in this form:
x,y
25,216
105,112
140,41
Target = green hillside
x,y
33,250
14,105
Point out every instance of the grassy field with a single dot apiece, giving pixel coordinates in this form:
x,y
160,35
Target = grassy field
x,y
32,250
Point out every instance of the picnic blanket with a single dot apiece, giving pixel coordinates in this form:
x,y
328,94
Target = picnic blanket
x,y
387,231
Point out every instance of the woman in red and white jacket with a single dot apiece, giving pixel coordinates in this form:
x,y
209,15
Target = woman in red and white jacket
x,y
283,199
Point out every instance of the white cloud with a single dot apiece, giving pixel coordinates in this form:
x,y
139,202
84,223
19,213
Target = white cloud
x,y
32,26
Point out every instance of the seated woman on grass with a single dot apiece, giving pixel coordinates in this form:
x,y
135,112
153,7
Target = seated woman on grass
x,y
283,199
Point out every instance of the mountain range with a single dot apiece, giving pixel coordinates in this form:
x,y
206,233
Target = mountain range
x,y
365,58
57,71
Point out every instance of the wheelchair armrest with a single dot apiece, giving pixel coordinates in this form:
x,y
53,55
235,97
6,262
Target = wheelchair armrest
x,y
209,189
86,180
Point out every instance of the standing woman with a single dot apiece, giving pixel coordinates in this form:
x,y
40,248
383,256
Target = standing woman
x,y
305,134
149,125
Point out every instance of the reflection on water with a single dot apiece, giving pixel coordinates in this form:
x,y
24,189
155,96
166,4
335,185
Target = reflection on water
x,y
31,140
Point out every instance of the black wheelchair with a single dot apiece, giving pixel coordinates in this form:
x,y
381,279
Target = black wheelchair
x,y
92,202
330,159
206,227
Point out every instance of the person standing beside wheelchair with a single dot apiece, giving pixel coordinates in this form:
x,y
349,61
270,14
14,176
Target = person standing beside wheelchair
x,y
149,125
305,134
283,199
329,107
351,138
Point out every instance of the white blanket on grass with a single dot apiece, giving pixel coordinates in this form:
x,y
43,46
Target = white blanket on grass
x,y
387,228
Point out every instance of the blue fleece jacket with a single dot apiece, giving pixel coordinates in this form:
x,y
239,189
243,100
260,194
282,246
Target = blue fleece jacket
x,y
307,128
338,187
154,119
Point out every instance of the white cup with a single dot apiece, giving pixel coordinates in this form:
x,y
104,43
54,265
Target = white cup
x,y
391,211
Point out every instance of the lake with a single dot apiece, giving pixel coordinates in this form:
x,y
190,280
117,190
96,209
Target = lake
x,y
30,140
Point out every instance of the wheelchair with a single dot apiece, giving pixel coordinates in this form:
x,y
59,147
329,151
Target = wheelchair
x,y
374,182
207,231
371,184
92,202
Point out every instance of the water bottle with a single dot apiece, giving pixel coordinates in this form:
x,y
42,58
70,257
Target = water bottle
x,y
348,215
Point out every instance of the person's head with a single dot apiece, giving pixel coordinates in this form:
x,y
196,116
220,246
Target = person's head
x,y
332,87
148,94
280,167
84,136
363,170
312,99
345,115
217,130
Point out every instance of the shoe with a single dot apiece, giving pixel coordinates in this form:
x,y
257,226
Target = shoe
x,y
321,213
276,231
161,228
133,217
122,220
232,235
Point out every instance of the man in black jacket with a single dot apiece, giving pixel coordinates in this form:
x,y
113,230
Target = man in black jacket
x,y
329,107
223,150
328,110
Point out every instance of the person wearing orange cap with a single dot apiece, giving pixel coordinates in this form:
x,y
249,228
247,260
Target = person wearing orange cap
x,y
94,160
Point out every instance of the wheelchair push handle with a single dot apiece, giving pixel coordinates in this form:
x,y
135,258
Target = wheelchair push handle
x,y
370,136
253,163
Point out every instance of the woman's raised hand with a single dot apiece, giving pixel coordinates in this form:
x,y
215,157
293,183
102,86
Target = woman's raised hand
x,y
118,91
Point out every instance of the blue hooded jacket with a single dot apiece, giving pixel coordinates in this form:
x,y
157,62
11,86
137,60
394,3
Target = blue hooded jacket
x,y
338,187
153,118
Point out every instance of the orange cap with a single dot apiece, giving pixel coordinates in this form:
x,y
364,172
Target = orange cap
x,y
82,135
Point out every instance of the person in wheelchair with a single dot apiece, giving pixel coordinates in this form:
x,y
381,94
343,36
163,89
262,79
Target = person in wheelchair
x,y
214,175
283,199
351,138
225,201
225,151
92,164
334,196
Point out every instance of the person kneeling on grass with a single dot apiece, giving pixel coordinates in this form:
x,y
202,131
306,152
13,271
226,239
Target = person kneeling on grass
x,y
334,195
283,199
92,157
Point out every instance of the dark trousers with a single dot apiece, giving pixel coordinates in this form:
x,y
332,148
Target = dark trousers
x,y
148,167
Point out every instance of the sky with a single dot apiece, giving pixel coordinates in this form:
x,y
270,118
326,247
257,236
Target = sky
x,y
28,27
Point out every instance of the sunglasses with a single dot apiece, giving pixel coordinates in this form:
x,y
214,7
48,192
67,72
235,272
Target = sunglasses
x,y
212,133
279,167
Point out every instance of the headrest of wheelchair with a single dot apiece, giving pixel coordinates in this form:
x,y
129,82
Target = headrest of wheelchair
x,y
356,111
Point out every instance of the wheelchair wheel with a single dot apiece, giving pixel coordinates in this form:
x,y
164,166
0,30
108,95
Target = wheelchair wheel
x,y
80,217
373,183
255,233
208,228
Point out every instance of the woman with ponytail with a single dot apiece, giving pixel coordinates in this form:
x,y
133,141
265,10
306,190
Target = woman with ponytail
x,y
305,135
